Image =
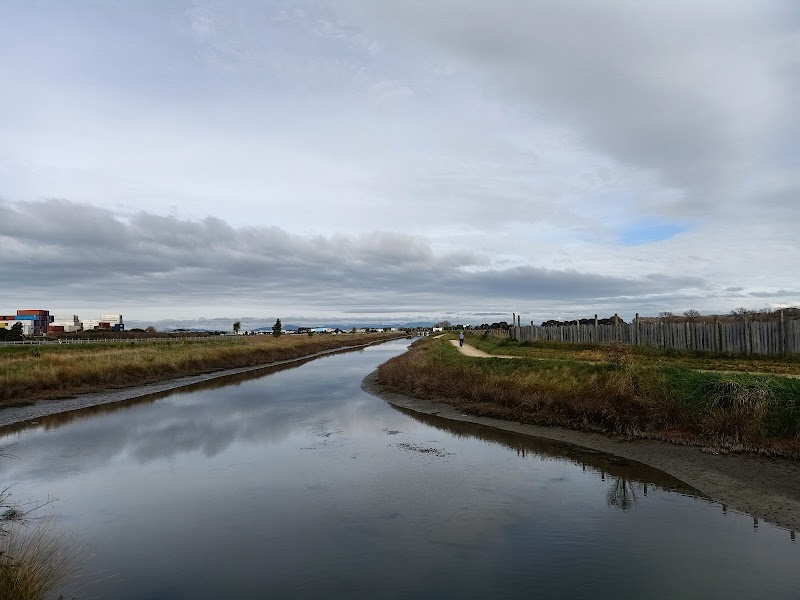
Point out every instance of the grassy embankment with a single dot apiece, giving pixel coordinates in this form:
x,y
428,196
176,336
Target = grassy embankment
x,y
686,398
29,373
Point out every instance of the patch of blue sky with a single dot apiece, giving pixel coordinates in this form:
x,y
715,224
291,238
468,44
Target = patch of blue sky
x,y
647,232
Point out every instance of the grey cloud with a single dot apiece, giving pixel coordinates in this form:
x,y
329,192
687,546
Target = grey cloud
x,y
690,91
146,258
778,294
532,282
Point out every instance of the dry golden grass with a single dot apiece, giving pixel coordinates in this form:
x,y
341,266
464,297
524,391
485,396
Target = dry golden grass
x,y
35,559
60,371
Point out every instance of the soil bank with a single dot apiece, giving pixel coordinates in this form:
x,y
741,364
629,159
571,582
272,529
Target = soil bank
x,y
764,487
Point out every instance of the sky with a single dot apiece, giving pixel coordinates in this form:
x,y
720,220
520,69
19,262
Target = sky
x,y
383,161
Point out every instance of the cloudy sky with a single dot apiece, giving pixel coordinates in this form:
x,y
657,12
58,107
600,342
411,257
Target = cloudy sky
x,y
361,159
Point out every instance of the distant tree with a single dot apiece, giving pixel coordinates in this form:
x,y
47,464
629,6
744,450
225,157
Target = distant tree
x,y
353,330
276,329
742,312
236,327
765,314
444,324
151,329
666,315
14,334
691,314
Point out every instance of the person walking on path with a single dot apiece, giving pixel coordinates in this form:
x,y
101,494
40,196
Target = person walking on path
x,y
461,340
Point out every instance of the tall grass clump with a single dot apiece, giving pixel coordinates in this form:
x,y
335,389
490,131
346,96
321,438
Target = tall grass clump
x,y
35,559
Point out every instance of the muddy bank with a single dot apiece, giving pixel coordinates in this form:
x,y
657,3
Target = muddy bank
x,y
43,408
767,488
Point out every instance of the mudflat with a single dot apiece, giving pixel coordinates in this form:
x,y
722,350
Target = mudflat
x,y
765,487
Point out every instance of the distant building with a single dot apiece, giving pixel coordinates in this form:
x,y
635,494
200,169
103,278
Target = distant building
x,y
112,322
36,321
38,318
8,323
65,324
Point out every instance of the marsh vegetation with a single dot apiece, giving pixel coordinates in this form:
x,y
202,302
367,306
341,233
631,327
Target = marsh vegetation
x,y
612,389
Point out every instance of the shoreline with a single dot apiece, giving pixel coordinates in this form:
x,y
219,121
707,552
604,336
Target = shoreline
x,y
44,408
764,487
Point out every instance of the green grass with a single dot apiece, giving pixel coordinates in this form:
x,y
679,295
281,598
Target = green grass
x,y
789,365
620,394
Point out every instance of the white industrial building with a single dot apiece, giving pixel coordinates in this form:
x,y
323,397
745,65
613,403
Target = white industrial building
x,y
105,322
70,323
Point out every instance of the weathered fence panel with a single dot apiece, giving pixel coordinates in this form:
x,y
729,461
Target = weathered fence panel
x,y
773,338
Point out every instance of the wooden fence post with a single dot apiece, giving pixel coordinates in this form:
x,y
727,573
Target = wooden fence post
x,y
782,335
637,334
595,330
748,337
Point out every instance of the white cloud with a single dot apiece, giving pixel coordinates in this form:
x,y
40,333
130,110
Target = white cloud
x,y
388,90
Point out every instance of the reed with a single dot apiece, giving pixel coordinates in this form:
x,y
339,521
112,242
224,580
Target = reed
x,y
63,371
35,559
617,395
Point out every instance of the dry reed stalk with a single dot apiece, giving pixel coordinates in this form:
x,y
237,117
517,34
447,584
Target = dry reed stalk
x,y
34,560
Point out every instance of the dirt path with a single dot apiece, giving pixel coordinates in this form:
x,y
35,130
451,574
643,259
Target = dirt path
x,y
473,351
766,488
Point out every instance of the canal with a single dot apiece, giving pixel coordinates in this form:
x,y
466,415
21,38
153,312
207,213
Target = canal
x,y
295,483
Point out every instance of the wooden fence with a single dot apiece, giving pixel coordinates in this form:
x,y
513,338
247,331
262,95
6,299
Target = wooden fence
x,y
775,338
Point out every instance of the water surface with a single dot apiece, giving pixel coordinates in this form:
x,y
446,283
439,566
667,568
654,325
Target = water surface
x,y
294,483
